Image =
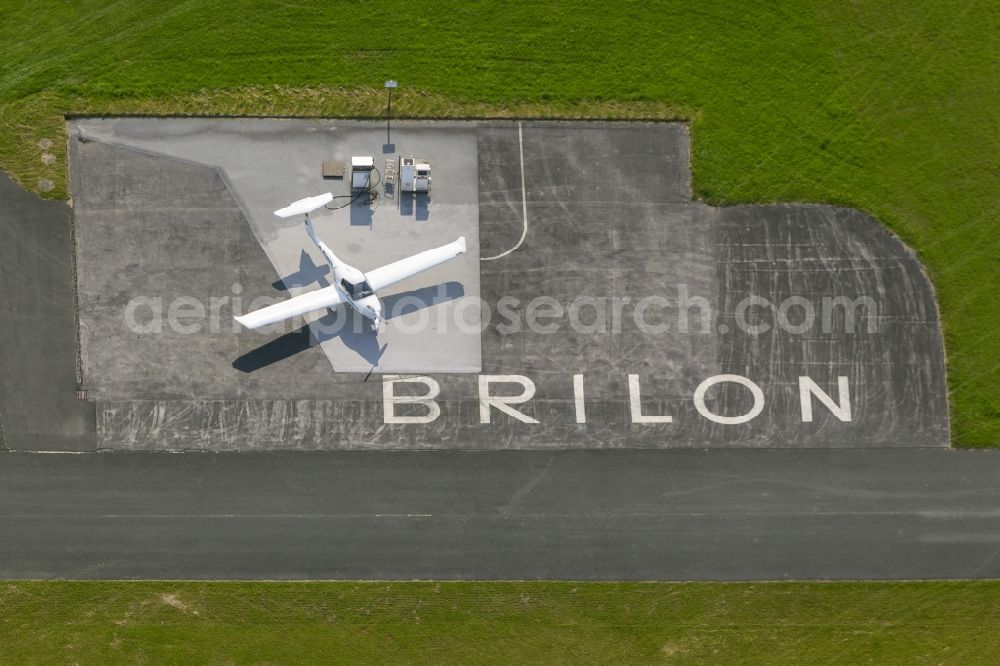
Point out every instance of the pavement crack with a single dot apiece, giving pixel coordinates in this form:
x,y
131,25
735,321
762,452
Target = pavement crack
x,y
508,509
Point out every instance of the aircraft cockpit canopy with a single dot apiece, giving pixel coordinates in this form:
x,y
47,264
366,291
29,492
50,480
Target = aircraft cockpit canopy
x,y
357,290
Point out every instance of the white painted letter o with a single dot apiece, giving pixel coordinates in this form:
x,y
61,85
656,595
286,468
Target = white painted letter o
x,y
699,399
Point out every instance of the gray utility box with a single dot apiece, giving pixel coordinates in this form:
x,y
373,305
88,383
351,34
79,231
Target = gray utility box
x,y
361,172
414,175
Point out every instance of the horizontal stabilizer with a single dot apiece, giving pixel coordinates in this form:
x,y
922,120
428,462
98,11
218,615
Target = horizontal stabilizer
x,y
404,268
304,206
326,297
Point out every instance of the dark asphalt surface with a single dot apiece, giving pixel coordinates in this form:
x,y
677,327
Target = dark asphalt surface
x,y
38,407
685,514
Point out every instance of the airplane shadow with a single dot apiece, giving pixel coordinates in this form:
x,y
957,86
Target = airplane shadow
x,y
307,274
345,323
406,302
279,349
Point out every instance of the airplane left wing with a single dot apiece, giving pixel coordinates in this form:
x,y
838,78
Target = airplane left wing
x,y
327,297
400,270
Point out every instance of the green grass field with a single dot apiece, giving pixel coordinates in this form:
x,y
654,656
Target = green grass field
x,y
466,623
889,107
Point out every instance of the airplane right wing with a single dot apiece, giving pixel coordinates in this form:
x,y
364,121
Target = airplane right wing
x,y
400,270
327,297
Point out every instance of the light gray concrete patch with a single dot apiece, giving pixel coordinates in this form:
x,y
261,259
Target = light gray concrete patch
x,y
270,163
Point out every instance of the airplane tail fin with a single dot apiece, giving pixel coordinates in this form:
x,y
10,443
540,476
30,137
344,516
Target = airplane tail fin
x,y
304,207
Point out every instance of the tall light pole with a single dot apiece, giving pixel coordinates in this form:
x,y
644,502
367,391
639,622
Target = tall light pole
x,y
389,85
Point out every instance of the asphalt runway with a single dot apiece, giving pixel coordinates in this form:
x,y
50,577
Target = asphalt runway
x,y
595,515
564,209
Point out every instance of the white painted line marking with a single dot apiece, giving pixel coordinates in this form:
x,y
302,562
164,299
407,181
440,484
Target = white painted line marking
x,y
218,516
581,414
666,513
524,198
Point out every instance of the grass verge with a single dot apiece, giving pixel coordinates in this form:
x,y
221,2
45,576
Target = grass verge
x,y
678,623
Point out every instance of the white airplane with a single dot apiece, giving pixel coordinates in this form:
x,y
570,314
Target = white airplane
x,y
350,285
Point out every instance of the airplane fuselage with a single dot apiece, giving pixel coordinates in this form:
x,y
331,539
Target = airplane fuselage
x,y
350,282
350,285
